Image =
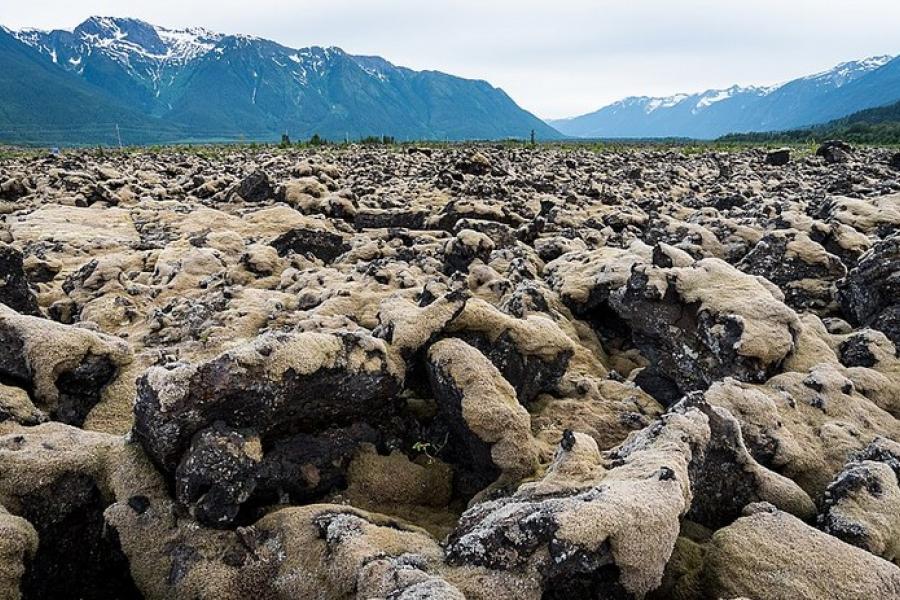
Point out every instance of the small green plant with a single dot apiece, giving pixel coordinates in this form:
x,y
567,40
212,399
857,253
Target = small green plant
x,y
430,450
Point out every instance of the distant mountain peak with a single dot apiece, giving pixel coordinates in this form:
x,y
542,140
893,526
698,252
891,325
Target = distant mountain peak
x,y
738,108
846,72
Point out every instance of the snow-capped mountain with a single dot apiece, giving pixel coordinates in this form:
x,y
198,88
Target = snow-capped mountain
x,y
846,72
810,100
206,85
123,53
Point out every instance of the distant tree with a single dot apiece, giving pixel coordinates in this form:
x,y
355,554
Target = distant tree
x,y
317,140
285,141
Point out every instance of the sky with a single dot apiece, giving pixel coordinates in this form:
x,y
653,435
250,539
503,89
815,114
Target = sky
x,y
556,58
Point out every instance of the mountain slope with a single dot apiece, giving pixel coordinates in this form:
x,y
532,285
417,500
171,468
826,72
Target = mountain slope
x,y
847,88
42,104
206,86
872,126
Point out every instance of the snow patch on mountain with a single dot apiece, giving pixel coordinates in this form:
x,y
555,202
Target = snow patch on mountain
x,y
654,104
710,98
184,45
846,72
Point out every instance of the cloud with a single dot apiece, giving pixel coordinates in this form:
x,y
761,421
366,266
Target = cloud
x,y
555,58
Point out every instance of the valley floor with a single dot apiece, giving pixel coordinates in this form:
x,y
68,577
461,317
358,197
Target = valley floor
x,y
484,372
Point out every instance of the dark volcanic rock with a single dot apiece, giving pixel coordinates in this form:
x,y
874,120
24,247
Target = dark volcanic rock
x,y
466,247
724,476
217,474
78,556
475,164
694,448
696,329
276,420
803,269
386,219
870,294
65,371
304,467
858,498
13,189
14,290
321,244
277,385
80,388
834,151
778,158
468,388
895,161
855,351
256,187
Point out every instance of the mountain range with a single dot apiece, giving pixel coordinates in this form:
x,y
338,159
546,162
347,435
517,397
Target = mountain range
x,y
111,77
848,88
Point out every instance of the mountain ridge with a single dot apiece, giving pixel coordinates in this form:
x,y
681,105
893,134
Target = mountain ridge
x,y
712,113
203,85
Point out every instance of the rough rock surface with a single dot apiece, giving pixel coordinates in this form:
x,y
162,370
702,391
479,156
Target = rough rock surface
x,y
870,294
64,370
456,373
862,504
798,562
14,290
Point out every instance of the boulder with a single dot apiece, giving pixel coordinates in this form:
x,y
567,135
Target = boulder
x,y
320,243
64,369
895,161
206,424
862,504
834,151
489,433
797,563
702,323
255,187
800,267
779,157
14,290
870,294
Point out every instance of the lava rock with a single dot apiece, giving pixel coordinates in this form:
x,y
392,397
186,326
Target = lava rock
x,y
468,246
778,158
895,161
324,245
834,151
697,324
803,269
278,385
63,368
14,290
490,436
476,164
303,468
861,503
256,187
870,294
386,219
217,474
77,556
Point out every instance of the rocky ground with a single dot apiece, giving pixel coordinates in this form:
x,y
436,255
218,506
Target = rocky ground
x,y
475,372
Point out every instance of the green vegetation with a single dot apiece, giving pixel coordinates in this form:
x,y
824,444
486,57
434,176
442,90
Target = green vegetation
x,y
876,127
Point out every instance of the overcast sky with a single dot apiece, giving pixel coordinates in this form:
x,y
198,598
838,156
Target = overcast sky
x,y
556,58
